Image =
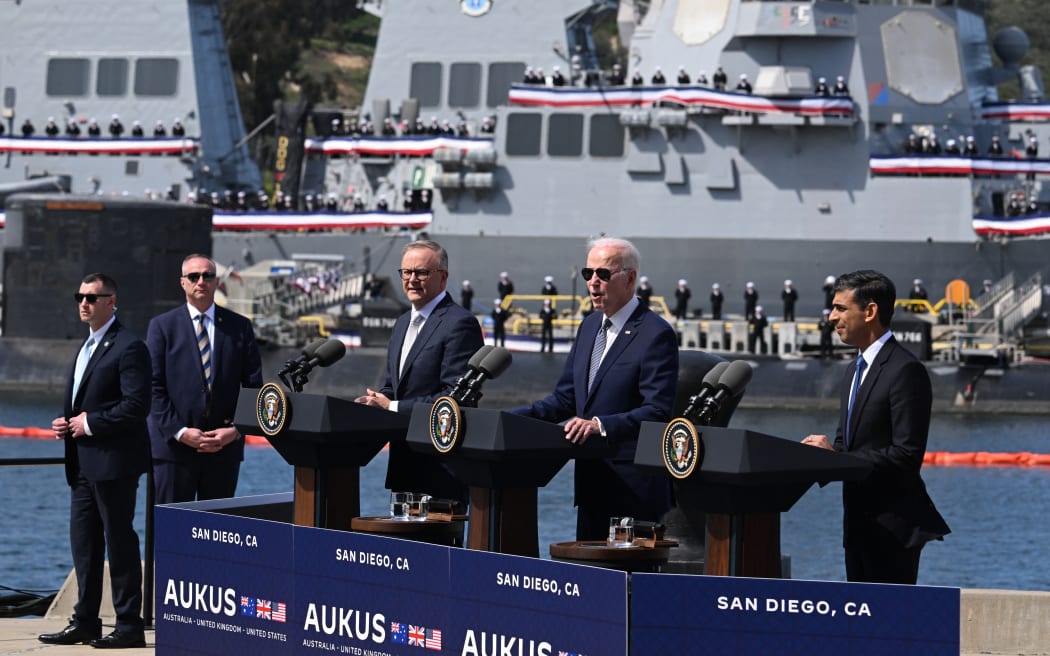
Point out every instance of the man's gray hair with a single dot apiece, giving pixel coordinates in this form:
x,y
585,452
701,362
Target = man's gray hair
x,y
430,246
629,256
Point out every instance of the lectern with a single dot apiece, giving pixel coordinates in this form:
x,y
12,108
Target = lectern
x,y
327,440
743,480
504,459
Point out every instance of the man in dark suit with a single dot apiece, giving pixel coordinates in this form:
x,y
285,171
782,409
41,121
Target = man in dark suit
x,y
107,450
202,355
884,419
622,370
428,352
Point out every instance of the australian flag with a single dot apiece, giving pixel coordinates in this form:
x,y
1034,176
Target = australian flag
x,y
399,633
248,606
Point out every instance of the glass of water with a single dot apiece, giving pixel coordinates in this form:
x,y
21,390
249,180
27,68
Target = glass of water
x,y
399,505
621,531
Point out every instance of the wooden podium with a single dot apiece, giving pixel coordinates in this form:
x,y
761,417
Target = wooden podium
x,y
743,480
504,459
327,440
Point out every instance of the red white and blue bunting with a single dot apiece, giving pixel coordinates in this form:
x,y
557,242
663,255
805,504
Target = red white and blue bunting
x,y
954,165
1015,112
305,222
98,146
1019,226
411,146
696,96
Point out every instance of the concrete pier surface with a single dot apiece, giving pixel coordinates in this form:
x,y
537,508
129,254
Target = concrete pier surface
x,y
993,622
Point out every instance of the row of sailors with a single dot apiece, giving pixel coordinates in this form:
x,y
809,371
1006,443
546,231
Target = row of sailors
x,y
93,129
719,81
258,201
1018,206
365,127
965,146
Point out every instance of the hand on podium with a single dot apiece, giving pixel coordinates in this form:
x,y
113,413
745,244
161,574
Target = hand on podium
x,y
820,441
374,398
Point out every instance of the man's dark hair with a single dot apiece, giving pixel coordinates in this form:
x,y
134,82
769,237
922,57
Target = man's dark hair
x,y
109,286
870,287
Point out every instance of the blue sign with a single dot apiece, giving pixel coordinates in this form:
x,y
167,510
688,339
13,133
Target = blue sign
x,y
516,605
223,584
359,593
674,614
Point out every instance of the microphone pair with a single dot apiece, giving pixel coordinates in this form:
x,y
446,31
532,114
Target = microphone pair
x,y
487,362
724,380
318,353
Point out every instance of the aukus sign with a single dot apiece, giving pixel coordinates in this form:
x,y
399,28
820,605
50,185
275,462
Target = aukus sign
x,y
231,584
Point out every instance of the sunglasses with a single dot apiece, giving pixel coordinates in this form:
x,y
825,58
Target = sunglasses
x,y
195,276
90,298
603,274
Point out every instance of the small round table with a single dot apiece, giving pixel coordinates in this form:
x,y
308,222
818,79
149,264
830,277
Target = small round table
x,y
629,559
432,531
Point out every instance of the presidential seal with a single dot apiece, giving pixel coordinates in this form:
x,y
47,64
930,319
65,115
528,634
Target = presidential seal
x,y
475,7
272,409
446,424
681,448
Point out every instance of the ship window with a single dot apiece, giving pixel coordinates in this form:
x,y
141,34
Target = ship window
x,y
607,136
156,76
112,78
501,76
464,85
565,135
67,77
425,85
523,134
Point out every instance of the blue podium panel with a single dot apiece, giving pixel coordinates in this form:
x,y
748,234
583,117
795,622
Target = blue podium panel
x,y
224,584
674,614
366,594
516,605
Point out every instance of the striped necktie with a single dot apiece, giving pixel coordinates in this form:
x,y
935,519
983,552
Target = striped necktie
x,y
861,365
204,344
598,352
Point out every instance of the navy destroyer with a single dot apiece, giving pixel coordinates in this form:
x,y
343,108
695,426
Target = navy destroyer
x,y
536,147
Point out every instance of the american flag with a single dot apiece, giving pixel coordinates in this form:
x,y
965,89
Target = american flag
x,y
416,635
280,612
262,609
398,632
434,639
248,606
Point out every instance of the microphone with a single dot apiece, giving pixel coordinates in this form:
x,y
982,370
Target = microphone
x,y
472,369
707,386
307,353
736,377
319,353
494,363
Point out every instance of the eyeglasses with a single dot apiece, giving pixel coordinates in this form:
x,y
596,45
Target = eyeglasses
x,y
197,275
90,298
603,274
421,274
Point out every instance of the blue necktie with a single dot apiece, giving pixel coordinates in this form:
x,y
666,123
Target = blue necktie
x,y
597,352
82,360
861,365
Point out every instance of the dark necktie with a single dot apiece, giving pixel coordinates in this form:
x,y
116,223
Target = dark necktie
x,y
204,344
861,365
597,352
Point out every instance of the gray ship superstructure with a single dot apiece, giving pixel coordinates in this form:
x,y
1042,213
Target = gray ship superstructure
x,y
160,64
710,192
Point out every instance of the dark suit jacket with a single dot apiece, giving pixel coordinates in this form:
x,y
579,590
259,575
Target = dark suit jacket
x,y
889,427
114,391
438,358
180,392
636,382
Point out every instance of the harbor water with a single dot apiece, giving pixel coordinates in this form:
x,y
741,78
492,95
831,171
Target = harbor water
x,y
999,538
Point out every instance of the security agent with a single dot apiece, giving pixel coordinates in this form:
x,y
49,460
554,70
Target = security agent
x,y
107,450
622,370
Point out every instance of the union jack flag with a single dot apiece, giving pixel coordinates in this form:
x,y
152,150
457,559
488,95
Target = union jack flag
x,y
417,635
248,606
398,633
262,609
433,639
280,612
